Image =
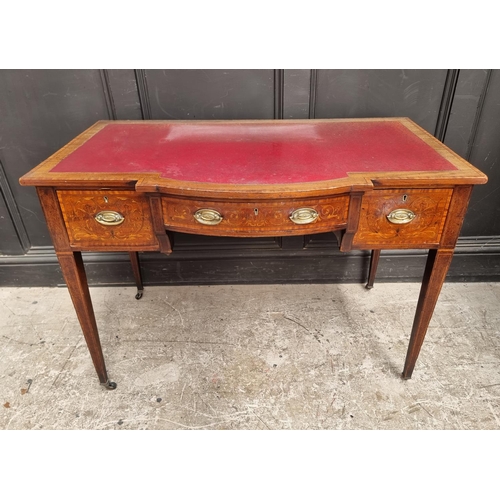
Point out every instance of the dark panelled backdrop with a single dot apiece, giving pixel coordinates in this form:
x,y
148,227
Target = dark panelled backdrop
x,y
41,110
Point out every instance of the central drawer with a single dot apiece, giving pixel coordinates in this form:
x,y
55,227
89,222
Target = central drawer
x,y
259,218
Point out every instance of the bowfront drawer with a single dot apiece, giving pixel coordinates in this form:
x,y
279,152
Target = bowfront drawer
x,y
111,219
396,218
262,218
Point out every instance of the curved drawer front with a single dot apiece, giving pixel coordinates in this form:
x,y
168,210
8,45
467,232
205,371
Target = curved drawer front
x,y
107,219
260,218
396,218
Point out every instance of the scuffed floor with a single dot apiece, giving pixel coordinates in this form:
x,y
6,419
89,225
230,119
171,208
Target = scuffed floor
x,y
251,357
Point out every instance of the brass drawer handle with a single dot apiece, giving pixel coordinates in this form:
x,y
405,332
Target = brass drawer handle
x,y
109,218
304,216
401,216
208,217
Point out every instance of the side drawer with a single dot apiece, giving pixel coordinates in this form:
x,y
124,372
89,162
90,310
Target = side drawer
x,y
396,218
111,219
259,218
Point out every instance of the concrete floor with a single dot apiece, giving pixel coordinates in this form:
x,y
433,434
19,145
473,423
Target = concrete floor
x,y
251,357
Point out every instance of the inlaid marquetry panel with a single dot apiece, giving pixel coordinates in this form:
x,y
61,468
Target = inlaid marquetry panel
x,y
255,219
80,208
428,207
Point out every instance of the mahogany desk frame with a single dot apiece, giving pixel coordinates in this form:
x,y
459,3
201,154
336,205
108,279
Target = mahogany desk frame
x,y
431,204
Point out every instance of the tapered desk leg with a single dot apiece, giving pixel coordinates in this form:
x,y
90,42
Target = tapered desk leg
x,y
438,262
74,274
136,268
373,268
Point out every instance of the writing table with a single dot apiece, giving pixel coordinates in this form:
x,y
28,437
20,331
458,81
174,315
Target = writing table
x,y
381,183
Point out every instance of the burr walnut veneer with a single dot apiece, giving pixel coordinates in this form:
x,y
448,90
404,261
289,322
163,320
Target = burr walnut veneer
x,y
379,183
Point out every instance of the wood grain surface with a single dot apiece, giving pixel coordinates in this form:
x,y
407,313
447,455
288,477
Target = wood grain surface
x,y
430,207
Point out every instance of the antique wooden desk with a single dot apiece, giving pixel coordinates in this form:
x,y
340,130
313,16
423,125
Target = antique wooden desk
x,y
377,183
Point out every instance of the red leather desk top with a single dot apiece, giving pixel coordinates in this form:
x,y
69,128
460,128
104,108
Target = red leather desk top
x,y
253,152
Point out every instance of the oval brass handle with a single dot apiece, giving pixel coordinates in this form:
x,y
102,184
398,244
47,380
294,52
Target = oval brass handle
x,y
208,217
304,216
109,218
401,216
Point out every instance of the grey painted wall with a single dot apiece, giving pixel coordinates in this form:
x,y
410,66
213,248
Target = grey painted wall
x,y
41,110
